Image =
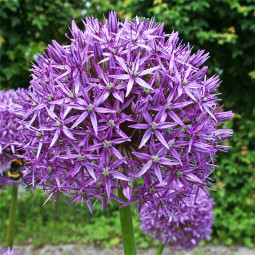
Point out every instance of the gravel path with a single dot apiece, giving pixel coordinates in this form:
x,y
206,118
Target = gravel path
x,y
74,249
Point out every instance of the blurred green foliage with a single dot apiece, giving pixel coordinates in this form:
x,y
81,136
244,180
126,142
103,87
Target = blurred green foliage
x,y
27,27
234,210
225,28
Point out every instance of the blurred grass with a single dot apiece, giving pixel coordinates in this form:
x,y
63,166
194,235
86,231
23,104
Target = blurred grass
x,y
39,225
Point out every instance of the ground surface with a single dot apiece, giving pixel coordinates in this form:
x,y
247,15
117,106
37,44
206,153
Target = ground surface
x,y
73,249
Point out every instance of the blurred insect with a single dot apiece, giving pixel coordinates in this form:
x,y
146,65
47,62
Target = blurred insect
x,y
15,171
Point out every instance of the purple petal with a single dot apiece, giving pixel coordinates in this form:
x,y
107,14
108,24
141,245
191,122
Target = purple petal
x,y
103,110
68,133
115,152
118,97
145,138
142,155
129,86
127,192
176,118
145,168
120,76
158,173
122,63
93,119
80,119
108,185
54,138
39,150
68,109
192,178
166,161
143,83
91,172
119,176
176,155
139,126
161,138
147,117
51,113
165,125
149,71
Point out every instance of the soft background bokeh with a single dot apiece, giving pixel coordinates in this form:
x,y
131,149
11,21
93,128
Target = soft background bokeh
x,y
225,28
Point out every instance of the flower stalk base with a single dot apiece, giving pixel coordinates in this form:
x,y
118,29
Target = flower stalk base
x,y
12,216
160,249
127,227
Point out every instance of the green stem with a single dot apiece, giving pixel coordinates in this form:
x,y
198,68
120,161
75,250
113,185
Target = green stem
x,y
127,227
56,209
12,215
160,249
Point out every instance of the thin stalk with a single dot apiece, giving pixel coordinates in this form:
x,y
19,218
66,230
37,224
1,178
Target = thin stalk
x,y
56,209
12,216
160,249
127,227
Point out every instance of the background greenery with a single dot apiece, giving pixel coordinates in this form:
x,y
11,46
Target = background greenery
x,y
225,28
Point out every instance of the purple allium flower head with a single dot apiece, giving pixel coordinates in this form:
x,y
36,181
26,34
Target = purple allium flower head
x,y
123,101
9,142
191,223
9,251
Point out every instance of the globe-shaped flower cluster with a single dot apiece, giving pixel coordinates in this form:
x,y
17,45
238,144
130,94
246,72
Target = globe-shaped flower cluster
x,y
184,228
123,105
9,125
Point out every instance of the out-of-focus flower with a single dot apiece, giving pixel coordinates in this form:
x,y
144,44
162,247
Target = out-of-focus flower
x,y
123,101
185,227
9,251
9,142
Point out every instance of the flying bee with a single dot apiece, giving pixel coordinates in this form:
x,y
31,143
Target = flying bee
x,y
15,171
